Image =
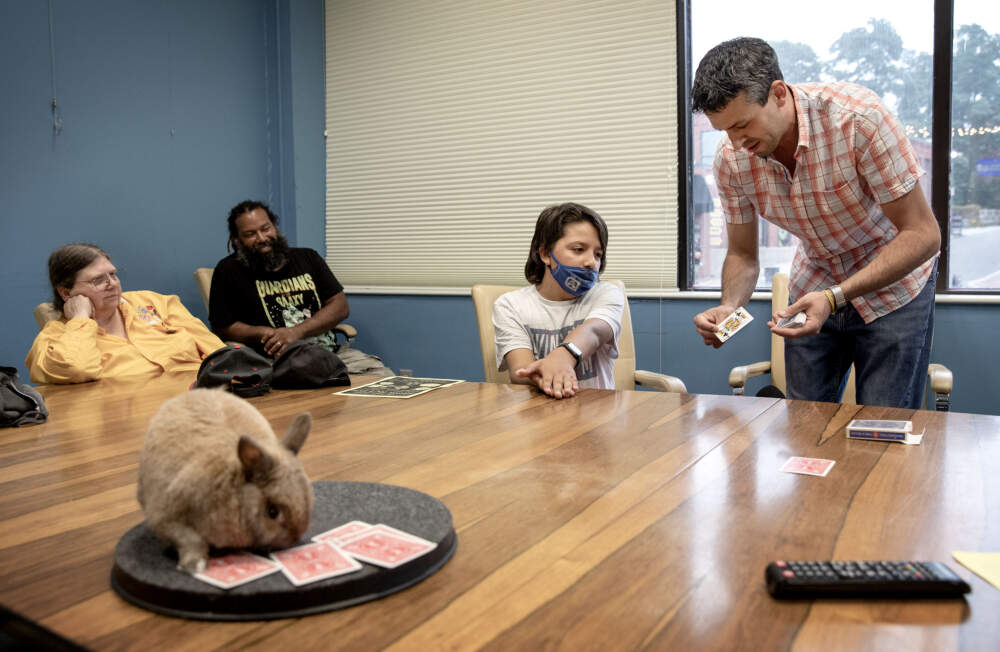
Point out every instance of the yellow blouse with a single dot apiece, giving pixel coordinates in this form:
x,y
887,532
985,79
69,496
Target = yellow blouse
x,y
162,336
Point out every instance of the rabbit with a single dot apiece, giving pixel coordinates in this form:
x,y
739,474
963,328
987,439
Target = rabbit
x,y
213,473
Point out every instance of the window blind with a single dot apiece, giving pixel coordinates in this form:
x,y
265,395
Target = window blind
x,y
452,123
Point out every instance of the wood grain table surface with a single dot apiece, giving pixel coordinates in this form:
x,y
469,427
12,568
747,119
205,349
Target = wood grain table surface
x,y
609,521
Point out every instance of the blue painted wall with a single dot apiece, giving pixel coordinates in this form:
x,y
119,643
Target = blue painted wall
x,y
173,112
439,338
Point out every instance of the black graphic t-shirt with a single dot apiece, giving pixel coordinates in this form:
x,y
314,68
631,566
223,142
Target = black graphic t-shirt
x,y
278,299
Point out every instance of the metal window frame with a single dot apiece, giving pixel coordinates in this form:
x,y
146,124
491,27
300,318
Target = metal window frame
x,y
944,17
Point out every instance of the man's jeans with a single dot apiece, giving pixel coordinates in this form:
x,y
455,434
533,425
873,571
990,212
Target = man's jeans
x,y
890,355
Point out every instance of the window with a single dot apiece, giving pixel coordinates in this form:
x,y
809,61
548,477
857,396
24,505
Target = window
x,y
885,46
974,222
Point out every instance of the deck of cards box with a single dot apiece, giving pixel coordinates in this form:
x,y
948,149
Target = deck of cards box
x,y
884,430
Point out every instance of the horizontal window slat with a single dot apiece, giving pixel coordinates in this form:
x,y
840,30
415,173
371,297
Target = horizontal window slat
x,y
450,125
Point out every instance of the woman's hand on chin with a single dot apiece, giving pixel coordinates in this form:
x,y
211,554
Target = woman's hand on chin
x,y
78,306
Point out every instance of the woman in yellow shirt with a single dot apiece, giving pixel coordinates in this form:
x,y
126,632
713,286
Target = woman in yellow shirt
x,y
105,332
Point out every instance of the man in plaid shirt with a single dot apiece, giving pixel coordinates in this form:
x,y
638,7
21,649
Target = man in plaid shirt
x,y
830,164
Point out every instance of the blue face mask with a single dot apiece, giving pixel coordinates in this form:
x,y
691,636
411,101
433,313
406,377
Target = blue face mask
x,y
575,280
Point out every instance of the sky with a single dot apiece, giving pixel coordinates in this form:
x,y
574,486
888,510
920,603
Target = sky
x,y
820,24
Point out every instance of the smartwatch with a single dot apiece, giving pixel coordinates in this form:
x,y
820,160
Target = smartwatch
x,y
573,349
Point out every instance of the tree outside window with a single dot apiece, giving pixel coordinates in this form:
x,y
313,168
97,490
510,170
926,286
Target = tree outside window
x,y
874,55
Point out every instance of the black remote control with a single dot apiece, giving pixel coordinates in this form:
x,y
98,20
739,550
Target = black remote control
x,y
863,579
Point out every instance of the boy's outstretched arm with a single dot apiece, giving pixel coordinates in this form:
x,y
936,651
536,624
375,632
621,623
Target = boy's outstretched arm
x,y
555,374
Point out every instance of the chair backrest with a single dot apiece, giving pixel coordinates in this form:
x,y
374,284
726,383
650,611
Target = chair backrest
x,y
625,364
46,312
203,277
483,298
779,301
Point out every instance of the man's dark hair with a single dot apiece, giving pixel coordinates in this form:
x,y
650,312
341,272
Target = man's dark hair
x,y
64,264
246,207
742,65
549,228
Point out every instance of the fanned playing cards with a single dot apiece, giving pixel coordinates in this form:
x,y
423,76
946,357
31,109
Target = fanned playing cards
x,y
338,551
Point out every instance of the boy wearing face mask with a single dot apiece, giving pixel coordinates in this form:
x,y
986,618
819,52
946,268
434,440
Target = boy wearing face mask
x,y
561,332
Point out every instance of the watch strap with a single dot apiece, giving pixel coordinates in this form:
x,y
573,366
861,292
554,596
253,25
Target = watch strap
x,y
573,349
839,300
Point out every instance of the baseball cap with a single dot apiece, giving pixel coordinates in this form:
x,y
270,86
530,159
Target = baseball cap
x,y
238,368
306,364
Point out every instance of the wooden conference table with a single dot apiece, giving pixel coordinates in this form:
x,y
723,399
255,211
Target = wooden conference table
x,y
614,520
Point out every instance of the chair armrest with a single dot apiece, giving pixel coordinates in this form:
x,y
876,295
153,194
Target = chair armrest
x,y
940,377
738,375
346,329
662,382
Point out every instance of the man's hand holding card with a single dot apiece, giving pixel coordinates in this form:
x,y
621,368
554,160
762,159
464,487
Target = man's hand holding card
x,y
814,306
732,324
707,323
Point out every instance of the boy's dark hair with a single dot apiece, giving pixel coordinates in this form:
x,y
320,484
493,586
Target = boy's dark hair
x,y
246,206
64,264
548,230
742,65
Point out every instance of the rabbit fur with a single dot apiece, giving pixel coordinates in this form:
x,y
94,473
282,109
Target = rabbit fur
x,y
213,474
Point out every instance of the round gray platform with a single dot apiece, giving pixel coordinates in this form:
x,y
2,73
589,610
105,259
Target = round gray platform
x,y
145,571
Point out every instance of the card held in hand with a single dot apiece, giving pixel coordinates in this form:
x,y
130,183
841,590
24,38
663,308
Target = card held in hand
x,y
798,320
733,323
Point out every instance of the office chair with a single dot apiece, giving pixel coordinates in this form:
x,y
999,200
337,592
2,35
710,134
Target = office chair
x,y
203,277
46,312
939,376
625,374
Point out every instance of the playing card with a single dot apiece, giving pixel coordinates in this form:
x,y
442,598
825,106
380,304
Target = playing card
x,y
313,562
342,532
232,570
388,529
808,466
385,548
795,321
733,323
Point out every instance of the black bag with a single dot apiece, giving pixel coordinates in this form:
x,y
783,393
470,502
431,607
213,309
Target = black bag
x,y
238,368
19,403
306,364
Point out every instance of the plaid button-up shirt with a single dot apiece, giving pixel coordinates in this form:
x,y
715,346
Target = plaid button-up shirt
x,y
852,156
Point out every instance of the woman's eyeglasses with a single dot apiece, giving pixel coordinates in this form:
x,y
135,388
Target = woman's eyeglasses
x,y
101,281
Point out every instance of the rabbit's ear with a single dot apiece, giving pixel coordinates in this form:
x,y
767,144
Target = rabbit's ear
x,y
257,464
297,432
